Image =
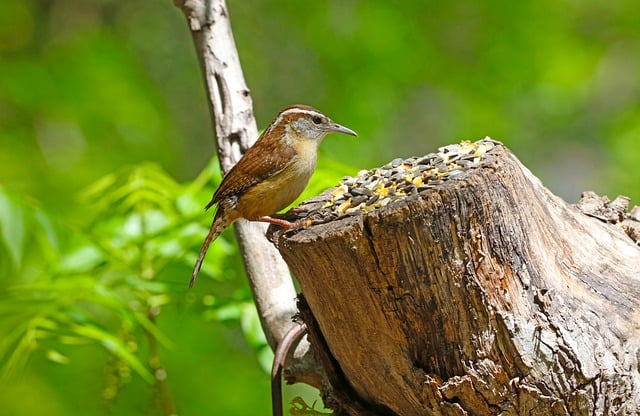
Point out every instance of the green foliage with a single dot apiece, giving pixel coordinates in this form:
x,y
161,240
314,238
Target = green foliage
x,y
105,278
12,221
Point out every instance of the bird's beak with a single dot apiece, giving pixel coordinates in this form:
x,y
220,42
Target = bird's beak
x,y
337,128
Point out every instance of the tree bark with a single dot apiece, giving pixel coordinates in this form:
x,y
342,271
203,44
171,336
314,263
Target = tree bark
x,y
235,127
473,291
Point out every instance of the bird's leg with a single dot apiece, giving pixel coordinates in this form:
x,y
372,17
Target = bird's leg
x,y
286,225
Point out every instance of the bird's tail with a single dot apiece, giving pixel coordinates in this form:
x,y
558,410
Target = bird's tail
x,y
220,223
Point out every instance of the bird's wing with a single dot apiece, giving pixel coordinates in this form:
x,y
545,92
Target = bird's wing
x,y
257,164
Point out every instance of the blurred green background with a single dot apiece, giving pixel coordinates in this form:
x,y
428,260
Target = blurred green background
x,y
106,162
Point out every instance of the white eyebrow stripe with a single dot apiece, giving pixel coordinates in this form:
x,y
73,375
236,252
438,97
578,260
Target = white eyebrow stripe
x,y
296,110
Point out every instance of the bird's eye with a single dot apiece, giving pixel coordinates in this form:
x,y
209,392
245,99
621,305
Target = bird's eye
x,y
316,120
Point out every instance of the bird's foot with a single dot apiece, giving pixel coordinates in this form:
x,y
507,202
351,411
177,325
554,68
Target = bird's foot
x,y
274,234
286,225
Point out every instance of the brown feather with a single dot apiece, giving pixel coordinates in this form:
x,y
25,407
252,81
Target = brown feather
x,y
220,222
264,159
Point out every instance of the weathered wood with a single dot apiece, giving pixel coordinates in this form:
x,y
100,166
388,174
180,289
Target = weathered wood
x,y
484,295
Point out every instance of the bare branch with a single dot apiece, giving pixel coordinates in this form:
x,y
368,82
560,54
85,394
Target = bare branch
x,y
235,126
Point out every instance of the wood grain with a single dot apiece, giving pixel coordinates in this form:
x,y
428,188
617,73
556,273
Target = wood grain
x,y
485,295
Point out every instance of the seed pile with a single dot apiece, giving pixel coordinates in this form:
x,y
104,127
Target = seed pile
x,y
375,188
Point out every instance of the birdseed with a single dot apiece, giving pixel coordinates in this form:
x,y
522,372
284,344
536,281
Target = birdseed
x,y
372,189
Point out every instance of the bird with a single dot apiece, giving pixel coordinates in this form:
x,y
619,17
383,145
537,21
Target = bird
x,y
271,174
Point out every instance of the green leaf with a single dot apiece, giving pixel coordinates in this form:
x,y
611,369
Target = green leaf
x,y
116,346
250,323
49,229
57,357
12,227
153,330
15,359
83,259
228,312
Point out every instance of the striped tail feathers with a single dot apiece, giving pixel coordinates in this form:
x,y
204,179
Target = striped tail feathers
x,y
220,222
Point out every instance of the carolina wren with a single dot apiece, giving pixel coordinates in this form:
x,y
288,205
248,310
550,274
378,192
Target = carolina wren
x,y
272,173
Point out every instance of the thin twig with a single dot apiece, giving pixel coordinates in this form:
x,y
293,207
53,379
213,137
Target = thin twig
x,y
294,335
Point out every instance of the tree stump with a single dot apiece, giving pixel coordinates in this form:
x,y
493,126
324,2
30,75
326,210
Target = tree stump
x,y
471,291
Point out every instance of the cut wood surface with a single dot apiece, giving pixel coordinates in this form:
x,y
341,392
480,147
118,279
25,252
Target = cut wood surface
x,y
472,291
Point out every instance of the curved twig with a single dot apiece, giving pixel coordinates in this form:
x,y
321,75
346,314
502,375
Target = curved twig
x,y
294,335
